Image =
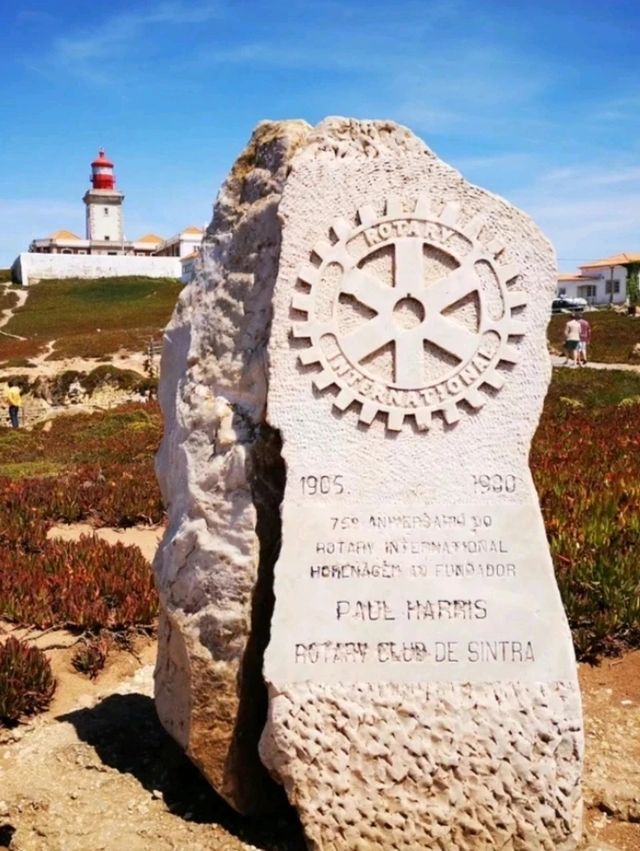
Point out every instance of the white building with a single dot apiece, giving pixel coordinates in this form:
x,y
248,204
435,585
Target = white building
x,y
599,281
189,266
182,244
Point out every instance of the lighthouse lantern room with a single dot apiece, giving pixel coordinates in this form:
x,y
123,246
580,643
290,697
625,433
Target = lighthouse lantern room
x,y
104,208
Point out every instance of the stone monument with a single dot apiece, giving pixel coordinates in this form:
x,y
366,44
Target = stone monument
x,y
422,687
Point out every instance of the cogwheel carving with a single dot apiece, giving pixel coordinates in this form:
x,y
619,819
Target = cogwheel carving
x,y
406,313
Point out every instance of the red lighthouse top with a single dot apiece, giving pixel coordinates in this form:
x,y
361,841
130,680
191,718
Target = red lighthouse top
x,y
102,176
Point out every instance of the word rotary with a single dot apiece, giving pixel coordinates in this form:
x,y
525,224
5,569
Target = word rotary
x,y
403,306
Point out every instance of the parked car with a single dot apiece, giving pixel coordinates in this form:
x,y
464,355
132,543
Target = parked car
x,y
565,304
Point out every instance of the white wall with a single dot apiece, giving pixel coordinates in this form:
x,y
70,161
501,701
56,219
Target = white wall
x,y
603,275
29,267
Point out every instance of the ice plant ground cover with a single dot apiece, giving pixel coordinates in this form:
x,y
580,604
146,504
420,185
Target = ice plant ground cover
x,y
87,467
26,681
99,467
586,464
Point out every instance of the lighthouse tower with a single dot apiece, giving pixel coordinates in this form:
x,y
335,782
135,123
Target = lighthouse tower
x,y
104,209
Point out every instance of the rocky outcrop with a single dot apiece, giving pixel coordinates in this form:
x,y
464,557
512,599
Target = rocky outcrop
x,y
222,477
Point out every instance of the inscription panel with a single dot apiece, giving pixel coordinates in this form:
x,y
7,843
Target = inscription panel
x,y
414,592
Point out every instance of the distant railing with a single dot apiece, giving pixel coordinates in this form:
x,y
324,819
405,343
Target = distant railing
x,y
153,353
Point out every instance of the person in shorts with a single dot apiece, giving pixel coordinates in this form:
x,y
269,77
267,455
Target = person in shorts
x,y
572,339
585,339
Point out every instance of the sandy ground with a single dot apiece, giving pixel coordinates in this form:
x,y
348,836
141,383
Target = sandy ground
x,y
5,315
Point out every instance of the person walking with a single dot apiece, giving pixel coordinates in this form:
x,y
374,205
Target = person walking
x,y
572,339
585,339
14,400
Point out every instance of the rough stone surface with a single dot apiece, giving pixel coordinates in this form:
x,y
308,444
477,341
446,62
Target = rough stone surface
x,y
436,766
371,756
221,474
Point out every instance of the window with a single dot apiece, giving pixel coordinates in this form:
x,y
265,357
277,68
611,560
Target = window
x,y
107,237
612,287
562,292
66,251
110,253
587,291
106,211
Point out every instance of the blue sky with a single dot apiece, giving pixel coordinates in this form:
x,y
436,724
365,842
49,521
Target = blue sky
x,y
538,101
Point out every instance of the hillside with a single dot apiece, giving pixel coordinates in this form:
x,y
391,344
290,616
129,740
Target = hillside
x,y
84,318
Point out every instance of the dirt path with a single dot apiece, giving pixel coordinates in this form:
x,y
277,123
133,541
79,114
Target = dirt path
x,y
557,360
21,295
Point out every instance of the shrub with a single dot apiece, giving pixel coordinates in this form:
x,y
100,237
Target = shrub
x,y
122,379
21,381
86,584
26,681
91,656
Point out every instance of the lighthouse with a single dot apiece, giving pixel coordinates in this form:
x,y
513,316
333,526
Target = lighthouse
x,y
104,209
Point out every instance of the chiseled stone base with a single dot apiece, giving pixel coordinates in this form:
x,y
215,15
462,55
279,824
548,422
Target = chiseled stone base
x,y
445,766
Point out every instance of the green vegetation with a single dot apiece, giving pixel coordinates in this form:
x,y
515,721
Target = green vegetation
x,y
128,435
89,318
8,298
5,275
633,283
586,464
91,656
613,335
592,388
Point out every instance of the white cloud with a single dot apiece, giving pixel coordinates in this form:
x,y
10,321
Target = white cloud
x,y
93,54
588,212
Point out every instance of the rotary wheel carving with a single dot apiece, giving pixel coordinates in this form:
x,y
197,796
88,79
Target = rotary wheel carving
x,y
406,314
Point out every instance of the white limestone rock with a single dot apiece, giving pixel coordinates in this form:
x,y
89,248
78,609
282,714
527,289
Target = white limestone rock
x,y
221,474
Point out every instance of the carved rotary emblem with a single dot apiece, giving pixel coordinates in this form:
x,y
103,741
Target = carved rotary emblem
x,y
408,313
